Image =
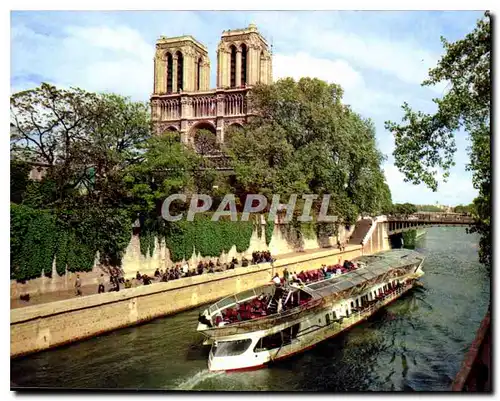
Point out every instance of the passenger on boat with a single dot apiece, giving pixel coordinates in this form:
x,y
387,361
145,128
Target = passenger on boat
x,y
276,280
286,275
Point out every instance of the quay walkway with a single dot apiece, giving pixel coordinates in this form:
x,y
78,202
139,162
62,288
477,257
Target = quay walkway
x,y
92,289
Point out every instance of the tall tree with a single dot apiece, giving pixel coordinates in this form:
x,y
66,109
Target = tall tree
x,y
303,140
425,142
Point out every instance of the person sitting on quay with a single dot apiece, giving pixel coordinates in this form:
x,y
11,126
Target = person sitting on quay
x,y
128,283
218,263
138,276
146,280
100,288
244,262
78,285
232,265
157,273
200,268
115,283
234,261
185,269
211,264
164,277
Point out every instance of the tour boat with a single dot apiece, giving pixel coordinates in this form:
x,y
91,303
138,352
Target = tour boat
x,y
253,328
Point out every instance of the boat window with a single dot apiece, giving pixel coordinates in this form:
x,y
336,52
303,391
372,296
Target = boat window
x,y
223,303
269,342
231,348
245,295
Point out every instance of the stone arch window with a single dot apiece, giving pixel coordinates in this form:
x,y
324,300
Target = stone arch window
x,y
180,70
243,65
204,106
233,66
204,138
198,73
170,109
234,104
170,75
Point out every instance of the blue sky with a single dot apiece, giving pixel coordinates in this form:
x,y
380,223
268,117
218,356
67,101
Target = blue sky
x,y
380,58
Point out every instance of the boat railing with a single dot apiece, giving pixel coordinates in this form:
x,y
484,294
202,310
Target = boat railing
x,y
241,297
258,321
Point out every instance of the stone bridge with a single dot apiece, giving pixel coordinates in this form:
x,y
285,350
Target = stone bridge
x,y
401,223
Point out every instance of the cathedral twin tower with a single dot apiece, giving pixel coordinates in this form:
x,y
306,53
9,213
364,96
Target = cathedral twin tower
x,y
182,99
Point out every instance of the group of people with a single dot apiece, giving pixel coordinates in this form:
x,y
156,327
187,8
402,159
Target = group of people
x,y
178,271
305,277
262,257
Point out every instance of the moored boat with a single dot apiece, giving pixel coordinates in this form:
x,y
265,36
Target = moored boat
x,y
253,328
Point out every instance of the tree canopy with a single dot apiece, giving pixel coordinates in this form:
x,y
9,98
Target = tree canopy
x,y
425,143
303,140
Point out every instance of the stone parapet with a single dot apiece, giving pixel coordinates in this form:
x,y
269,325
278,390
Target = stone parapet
x,y
39,327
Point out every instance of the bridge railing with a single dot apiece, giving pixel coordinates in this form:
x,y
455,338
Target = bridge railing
x,y
432,217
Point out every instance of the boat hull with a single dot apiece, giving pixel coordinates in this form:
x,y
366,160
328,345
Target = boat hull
x,y
318,329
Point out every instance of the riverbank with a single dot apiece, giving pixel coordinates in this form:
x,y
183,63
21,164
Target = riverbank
x,y
418,343
50,324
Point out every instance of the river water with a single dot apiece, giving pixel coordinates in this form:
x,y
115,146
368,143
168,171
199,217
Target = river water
x,y
417,343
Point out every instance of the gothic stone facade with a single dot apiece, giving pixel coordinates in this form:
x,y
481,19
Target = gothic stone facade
x,y
182,99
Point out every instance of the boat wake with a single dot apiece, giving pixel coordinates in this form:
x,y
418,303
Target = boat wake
x,y
191,382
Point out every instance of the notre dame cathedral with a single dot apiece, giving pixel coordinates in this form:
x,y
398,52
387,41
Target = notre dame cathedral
x,y
182,100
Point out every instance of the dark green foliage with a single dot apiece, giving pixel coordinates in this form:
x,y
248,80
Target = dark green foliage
x,y
269,231
403,208
209,238
19,172
409,238
37,237
305,141
428,208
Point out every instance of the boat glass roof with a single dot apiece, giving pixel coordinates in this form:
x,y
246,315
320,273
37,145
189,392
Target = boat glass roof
x,y
372,266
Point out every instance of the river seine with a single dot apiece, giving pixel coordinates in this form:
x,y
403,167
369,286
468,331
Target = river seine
x,y
417,343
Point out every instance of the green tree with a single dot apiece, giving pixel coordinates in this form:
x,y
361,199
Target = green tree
x,y
303,140
88,142
425,142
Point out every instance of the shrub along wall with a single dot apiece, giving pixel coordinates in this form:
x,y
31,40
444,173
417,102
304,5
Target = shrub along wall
x,y
209,238
36,238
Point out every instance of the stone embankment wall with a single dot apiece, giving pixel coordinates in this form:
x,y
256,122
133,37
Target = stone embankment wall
x,y
38,327
134,261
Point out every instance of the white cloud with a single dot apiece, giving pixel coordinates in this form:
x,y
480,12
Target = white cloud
x,y
304,65
458,189
106,59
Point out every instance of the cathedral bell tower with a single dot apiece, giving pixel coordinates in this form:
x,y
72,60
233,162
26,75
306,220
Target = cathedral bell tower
x,y
243,59
181,65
